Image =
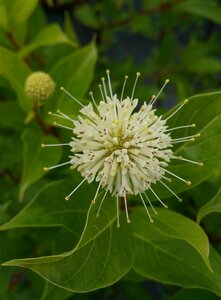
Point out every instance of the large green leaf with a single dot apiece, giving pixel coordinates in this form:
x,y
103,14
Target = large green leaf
x,y
11,115
49,208
36,158
74,73
103,255
170,260
207,64
174,225
206,9
214,205
9,157
3,209
10,288
53,292
16,72
3,16
19,11
50,35
205,111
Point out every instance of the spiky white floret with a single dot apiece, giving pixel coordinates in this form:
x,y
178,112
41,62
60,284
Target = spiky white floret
x,y
124,150
122,146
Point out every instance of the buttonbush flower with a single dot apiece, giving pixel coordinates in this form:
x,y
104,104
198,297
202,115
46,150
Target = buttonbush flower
x,y
123,146
39,86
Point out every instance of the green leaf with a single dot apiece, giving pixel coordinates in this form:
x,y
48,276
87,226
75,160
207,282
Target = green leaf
x,y
205,111
11,115
75,73
170,260
19,10
10,289
16,72
206,9
53,292
9,157
103,255
87,16
50,35
49,208
69,29
174,225
207,64
3,209
36,158
214,205
3,17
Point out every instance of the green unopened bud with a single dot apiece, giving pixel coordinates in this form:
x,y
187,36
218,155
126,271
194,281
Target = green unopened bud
x,y
39,86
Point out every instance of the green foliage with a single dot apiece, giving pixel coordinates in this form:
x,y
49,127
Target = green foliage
x,y
214,205
208,9
56,213
50,35
15,71
171,260
17,12
56,249
79,67
100,242
205,111
35,156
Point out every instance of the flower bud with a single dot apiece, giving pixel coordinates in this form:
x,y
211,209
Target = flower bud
x,y
39,86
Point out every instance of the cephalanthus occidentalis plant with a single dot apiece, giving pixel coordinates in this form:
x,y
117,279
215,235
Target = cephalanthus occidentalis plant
x,y
122,145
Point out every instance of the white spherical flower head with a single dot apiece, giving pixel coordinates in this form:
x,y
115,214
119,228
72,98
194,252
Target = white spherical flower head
x,y
123,146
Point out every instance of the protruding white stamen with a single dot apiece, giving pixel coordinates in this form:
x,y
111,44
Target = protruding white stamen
x,y
109,82
188,160
181,105
71,96
126,209
167,178
56,115
135,83
156,97
62,126
172,192
64,115
178,177
55,145
180,127
152,99
60,115
164,205
183,141
186,137
75,189
147,211
104,87
118,215
122,92
101,91
97,191
92,97
56,166
102,201
151,205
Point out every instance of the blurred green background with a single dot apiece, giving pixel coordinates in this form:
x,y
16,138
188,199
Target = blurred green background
x,y
75,42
